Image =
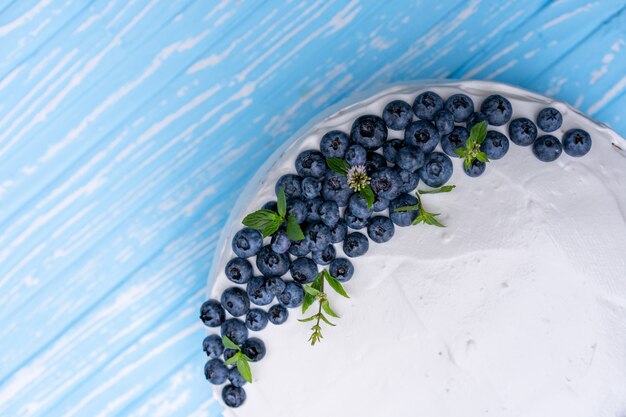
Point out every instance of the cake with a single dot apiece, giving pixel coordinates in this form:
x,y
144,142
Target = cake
x,y
516,308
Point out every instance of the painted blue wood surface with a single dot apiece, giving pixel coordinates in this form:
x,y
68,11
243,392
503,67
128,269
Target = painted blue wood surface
x,y
128,128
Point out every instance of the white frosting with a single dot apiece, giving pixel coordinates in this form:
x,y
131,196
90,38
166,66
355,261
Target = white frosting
x,y
517,308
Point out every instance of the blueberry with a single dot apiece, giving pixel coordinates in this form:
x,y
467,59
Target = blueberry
x,y
270,263
235,301
522,132
334,144
437,169
215,371
453,140
270,205
335,187
374,161
474,119
338,231
299,248
280,242
353,221
369,131
277,314
356,155
275,285
386,183
238,270
380,229
292,296
355,244
409,181
549,119
311,187
233,396
324,256
397,114
358,206
235,378
547,148
495,145
341,269
329,213
423,135
297,208
235,330
381,203
497,109
292,185
311,164
410,158
229,353
258,291
391,148
461,106
212,345
256,319
212,313
313,207
247,242
403,218
576,142
317,236
476,169
254,348
444,122
303,270
427,104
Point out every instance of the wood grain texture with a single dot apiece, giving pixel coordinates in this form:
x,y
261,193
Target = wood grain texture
x,y
128,129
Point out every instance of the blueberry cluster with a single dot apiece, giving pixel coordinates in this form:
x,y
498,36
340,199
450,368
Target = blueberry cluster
x,y
333,216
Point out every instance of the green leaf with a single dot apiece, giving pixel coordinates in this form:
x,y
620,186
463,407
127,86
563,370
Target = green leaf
x,y
229,344
408,208
308,319
338,165
310,290
294,231
460,151
307,302
482,157
428,218
261,219
233,359
328,310
467,163
244,369
272,228
444,189
336,285
478,132
368,194
282,202
325,320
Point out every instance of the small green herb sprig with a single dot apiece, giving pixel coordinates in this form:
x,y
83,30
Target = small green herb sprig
x,y
424,216
471,151
269,221
358,180
239,359
315,292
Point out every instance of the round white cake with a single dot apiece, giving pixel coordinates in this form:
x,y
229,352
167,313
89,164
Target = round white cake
x,y
516,308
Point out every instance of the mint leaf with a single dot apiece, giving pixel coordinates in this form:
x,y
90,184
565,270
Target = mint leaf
x,y
444,189
478,133
482,157
409,208
338,165
294,231
308,319
244,369
272,228
310,290
368,194
229,344
282,202
233,359
307,302
428,218
323,317
336,285
261,219
328,310
460,151
467,163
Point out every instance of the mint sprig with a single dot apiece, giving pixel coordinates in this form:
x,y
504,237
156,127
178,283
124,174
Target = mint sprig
x,y
424,216
269,221
315,292
240,360
358,180
338,165
471,151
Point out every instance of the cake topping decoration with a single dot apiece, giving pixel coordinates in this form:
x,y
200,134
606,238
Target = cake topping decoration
x,y
269,221
239,359
424,216
472,151
357,178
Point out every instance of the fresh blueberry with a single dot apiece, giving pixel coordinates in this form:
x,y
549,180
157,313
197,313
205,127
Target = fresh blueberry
x,y
275,285
423,135
247,242
254,348
235,378
381,203
270,205
280,242
547,148
311,164
358,206
338,232
427,104
397,114
258,291
324,256
522,131
317,236
402,218
256,319
233,396
549,119
238,270
270,263
355,244
410,158
212,345
353,221
461,106
444,122
335,187
235,330
356,155
369,131
215,371
212,313
474,119
437,169
303,270
576,142
497,109
453,140
235,301
329,213
334,144
297,208
380,229
299,248
292,296
391,148
292,185
229,353
386,183
374,162
341,269
409,181
476,169
277,314
495,145
313,207
311,187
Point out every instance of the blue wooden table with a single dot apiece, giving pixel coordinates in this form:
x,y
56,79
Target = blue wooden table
x,y
128,129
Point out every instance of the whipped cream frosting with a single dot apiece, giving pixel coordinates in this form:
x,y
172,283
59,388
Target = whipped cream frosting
x,y
516,308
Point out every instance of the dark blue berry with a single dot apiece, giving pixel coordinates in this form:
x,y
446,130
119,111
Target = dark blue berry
x,y
437,169
474,119
547,148
576,142
324,256
235,301
409,181
369,131
275,285
410,158
522,132
270,205
356,155
427,104
311,164
374,161
256,319
299,248
297,208
229,353
353,221
476,169
215,371
335,187
303,270
342,269
355,244
334,144
277,314
258,291
381,203
254,348
386,183
247,242
235,378
397,114
444,122
272,264
292,296
233,396
280,242
454,140
212,313
391,148
329,213
292,185
423,135
338,232
495,145
311,187
313,207
549,119
403,218
212,345
461,106
358,206
380,229
317,236
497,109
238,270
235,330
